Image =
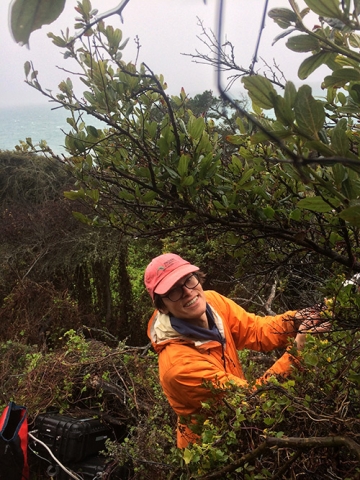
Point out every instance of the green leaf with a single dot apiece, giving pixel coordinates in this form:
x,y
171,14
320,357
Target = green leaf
x,y
351,215
149,196
311,359
205,165
152,129
187,455
352,109
261,90
339,140
341,77
187,181
89,97
27,68
341,98
355,378
283,35
350,187
340,174
310,64
86,5
196,127
236,164
82,218
262,136
58,41
315,204
123,194
235,139
309,113
183,165
94,195
241,125
74,194
325,8
245,153
218,205
245,177
269,421
295,215
142,172
354,91
320,147
290,94
354,40
92,131
269,212
163,146
303,43
282,16
174,175
27,16
283,111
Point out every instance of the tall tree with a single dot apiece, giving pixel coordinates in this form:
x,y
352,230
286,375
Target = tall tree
x,y
295,180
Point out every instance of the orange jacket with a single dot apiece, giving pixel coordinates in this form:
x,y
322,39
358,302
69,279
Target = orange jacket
x,y
185,363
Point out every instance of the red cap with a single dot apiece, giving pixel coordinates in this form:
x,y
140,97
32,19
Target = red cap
x,y
164,271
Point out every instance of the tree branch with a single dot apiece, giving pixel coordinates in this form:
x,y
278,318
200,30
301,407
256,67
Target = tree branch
x,y
117,10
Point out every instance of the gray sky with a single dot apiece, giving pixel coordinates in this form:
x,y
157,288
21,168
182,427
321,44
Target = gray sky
x,y
166,28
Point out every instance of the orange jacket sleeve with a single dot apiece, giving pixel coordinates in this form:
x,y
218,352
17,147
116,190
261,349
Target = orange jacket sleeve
x,y
253,331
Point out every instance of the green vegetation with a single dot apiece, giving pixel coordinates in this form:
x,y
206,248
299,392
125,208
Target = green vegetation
x,y
267,205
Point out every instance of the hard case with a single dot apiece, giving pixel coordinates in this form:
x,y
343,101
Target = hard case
x,y
71,439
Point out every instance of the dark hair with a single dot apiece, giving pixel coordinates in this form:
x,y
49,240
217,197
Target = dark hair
x,y
158,301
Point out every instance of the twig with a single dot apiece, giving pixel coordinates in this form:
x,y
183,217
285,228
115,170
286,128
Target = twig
x,y
315,442
262,26
98,19
269,301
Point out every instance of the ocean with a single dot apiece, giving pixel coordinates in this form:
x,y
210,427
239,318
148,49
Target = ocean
x,y
39,122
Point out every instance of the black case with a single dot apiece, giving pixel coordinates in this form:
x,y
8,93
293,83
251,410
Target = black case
x,y
71,439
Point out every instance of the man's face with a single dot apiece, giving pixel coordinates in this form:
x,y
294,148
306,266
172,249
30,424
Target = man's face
x,y
192,304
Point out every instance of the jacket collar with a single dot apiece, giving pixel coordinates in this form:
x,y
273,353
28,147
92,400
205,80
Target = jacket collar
x,y
162,331
194,331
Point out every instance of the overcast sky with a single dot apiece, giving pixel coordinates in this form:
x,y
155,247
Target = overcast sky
x,y
166,28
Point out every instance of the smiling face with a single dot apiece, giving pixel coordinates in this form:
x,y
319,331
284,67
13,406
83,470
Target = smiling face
x,y
191,307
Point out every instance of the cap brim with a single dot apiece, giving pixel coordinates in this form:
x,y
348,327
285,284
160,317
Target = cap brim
x,y
169,281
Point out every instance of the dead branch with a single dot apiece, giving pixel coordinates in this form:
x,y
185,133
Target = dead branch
x,y
270,299
315,442
288,442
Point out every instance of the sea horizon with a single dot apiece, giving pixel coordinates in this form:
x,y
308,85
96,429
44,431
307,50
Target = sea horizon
x,y
38,122
43,121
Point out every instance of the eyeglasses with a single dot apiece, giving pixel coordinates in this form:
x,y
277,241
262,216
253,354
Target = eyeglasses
x,y
177,292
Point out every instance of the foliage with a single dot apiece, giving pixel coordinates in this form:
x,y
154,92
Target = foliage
x,y
46,252
316,403
27,16
85,377
240,431
37,314
323,131
156,169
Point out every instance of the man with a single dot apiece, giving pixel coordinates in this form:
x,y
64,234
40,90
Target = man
x,y
197,333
